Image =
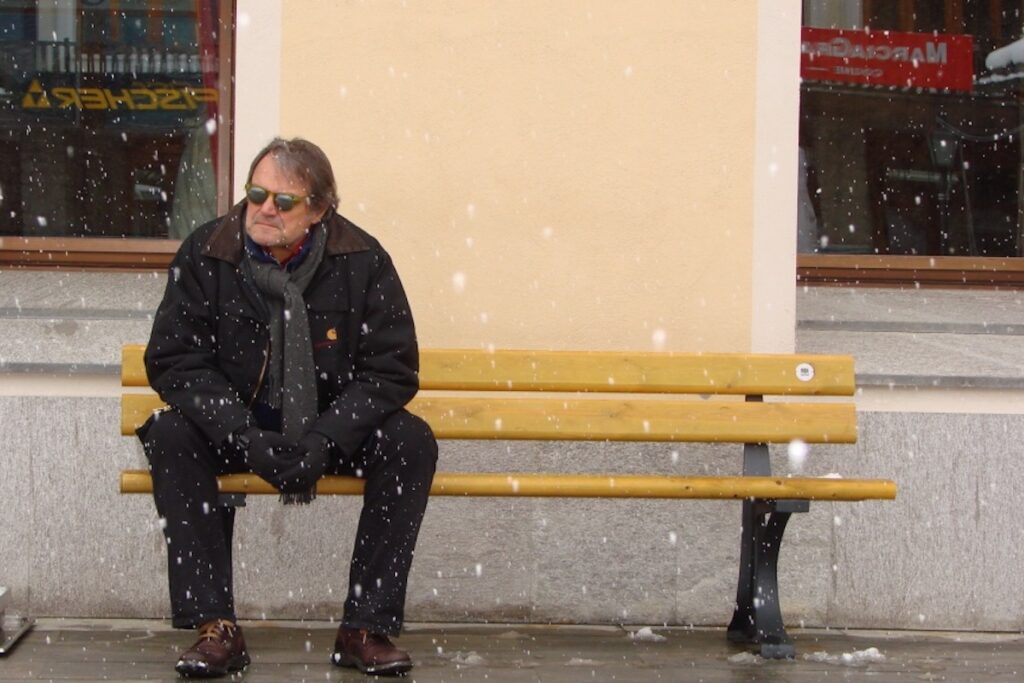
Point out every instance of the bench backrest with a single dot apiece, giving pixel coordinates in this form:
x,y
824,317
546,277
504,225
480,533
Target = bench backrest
x,y
613,396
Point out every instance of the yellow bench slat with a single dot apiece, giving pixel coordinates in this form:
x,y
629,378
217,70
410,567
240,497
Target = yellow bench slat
x,y
610,371
581,486
635,372
133,369
492,417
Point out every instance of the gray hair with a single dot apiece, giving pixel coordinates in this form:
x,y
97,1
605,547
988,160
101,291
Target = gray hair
x,y
303,161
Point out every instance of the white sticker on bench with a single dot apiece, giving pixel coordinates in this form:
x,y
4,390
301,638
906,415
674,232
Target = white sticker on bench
x,y
805,372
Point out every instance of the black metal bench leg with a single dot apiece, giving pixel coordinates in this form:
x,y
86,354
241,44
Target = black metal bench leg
x,y
771,632
12,627
757,617
741,628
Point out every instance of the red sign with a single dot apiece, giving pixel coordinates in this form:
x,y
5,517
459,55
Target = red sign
x,y
906,60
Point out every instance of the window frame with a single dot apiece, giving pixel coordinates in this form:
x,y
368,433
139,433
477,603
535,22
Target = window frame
x,y
870,270
128,253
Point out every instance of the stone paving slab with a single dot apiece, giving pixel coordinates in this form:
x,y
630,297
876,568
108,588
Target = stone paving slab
x,y
119,650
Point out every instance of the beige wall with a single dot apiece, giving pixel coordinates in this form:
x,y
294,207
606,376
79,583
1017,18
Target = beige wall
x,y
564,175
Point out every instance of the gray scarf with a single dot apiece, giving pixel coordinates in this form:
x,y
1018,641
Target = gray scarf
x,y
291,372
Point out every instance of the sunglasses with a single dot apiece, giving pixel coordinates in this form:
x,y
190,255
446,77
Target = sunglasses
x,y
284,201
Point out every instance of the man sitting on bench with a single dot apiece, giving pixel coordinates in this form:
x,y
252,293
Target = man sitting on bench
x,y
284,346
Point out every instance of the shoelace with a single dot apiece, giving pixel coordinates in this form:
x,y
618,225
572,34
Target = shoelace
x,y
220,629
375,636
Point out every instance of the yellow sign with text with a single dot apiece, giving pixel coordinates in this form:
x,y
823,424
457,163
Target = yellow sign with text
x,y
148,97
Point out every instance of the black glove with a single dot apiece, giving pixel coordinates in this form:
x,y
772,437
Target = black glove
x,y
268,454
302,475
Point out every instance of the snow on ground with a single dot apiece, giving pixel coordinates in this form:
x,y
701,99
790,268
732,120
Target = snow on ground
x,y
855,658
646,635
746,658
469,659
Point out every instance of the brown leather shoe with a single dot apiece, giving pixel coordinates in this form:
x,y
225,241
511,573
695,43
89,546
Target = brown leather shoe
x,y
371,653
219,651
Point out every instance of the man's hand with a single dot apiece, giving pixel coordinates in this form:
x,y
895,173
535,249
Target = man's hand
x,y
302,475
269,454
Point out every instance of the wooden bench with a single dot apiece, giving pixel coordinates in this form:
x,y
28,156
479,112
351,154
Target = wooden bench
x,y
624,396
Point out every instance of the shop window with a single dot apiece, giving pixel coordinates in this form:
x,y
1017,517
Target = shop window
x,y
911,158
114,128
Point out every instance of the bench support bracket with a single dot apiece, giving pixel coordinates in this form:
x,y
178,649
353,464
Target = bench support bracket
x,y
757,617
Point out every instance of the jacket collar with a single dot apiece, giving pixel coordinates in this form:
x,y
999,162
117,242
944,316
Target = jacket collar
x,y
226,243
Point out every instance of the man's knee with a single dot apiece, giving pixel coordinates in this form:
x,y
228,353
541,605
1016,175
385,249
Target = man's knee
x,y
412,439
168,434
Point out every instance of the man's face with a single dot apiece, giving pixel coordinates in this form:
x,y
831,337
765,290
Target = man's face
x,y
266,224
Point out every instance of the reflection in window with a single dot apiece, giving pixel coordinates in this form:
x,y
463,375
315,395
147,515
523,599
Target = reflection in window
x,y
109,117
910,127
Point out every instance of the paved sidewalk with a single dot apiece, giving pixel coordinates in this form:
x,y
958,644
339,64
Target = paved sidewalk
x,y
121,650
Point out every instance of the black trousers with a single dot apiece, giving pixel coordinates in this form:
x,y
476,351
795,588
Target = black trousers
x,y
397,462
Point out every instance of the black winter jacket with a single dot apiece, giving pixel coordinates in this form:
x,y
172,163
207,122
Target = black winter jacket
x,y
210,343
